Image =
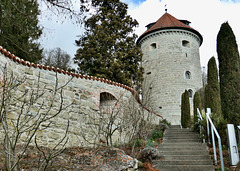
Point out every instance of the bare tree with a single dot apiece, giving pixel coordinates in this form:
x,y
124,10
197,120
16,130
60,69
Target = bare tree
x,y
24,111
118,122
74,9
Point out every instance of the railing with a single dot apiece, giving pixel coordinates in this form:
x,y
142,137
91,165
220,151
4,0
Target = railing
x,y
214,130
238,129
200,118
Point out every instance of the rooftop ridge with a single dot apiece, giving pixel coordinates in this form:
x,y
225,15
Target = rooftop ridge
x,y
167,21
61,71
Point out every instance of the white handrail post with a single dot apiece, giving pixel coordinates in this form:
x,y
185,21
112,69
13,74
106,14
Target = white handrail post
x,y
208,133
214,147
220,152
214,130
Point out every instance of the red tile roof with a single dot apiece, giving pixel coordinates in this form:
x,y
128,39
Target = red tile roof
x,y
167,21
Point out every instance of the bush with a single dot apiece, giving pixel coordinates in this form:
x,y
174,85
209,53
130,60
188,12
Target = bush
x,y
185,110
220,124
157,134
137,142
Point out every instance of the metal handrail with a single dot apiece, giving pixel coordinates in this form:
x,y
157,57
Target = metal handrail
x,y
200,118
214,130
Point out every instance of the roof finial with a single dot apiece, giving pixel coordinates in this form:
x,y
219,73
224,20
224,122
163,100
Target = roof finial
x,y
166,8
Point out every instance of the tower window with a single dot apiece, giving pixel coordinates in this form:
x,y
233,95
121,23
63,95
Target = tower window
x,y
148,73
188,75
190,93
185,43
153,46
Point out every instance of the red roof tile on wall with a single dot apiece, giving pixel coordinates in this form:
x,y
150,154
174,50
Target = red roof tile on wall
x,y
53,69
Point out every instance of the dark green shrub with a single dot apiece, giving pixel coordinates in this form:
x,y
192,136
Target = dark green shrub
x,y
212,89
157,134
185,110
229,73
164,121
196,104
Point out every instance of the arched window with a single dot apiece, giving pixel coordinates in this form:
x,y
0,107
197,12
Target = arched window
x,y
185,43
188,75
190,93
107,102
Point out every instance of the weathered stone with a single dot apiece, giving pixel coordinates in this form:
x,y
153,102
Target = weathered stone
x,y
149,153
53,135
29,71
83,114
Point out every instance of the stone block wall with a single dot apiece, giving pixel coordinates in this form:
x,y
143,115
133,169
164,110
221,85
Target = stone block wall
x,y
167,56
81,93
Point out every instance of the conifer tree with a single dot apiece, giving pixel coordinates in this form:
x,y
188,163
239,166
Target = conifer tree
x,y
212,89
107,48
185,110
196,104
229,74
19,28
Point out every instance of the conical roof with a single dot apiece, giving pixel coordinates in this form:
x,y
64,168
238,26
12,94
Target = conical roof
x,y
167,21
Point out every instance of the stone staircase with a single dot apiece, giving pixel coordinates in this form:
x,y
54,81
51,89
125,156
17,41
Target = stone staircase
x,y
182,150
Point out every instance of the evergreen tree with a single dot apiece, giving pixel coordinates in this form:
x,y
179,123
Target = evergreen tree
x,y
108,49
228,57
196,104
19,29
212,89
185,110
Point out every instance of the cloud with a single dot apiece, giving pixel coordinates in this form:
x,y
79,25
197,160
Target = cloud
x,y
205,16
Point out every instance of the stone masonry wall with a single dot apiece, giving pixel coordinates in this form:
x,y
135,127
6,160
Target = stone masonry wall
x,y
167,56
82,91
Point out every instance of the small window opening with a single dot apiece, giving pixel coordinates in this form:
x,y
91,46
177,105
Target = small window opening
x,y
153,46
160,107
190,93
188,75
185,43
186,54
107,102
148,73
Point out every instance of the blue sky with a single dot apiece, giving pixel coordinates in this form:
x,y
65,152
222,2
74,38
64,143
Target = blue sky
x,y
206,16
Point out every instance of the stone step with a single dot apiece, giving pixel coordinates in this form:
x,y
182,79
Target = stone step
x,y
180,152
181,140
185,162
185,157
181,134
181,137
187,144
178,131
186,168
164,149
175,126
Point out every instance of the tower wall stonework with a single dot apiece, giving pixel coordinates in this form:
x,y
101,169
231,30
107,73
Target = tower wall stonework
x,y
172,64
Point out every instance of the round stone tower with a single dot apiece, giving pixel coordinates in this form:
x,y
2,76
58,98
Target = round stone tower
x,y
171,63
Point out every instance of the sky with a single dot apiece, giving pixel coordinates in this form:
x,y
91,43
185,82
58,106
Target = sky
x,y
206,16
